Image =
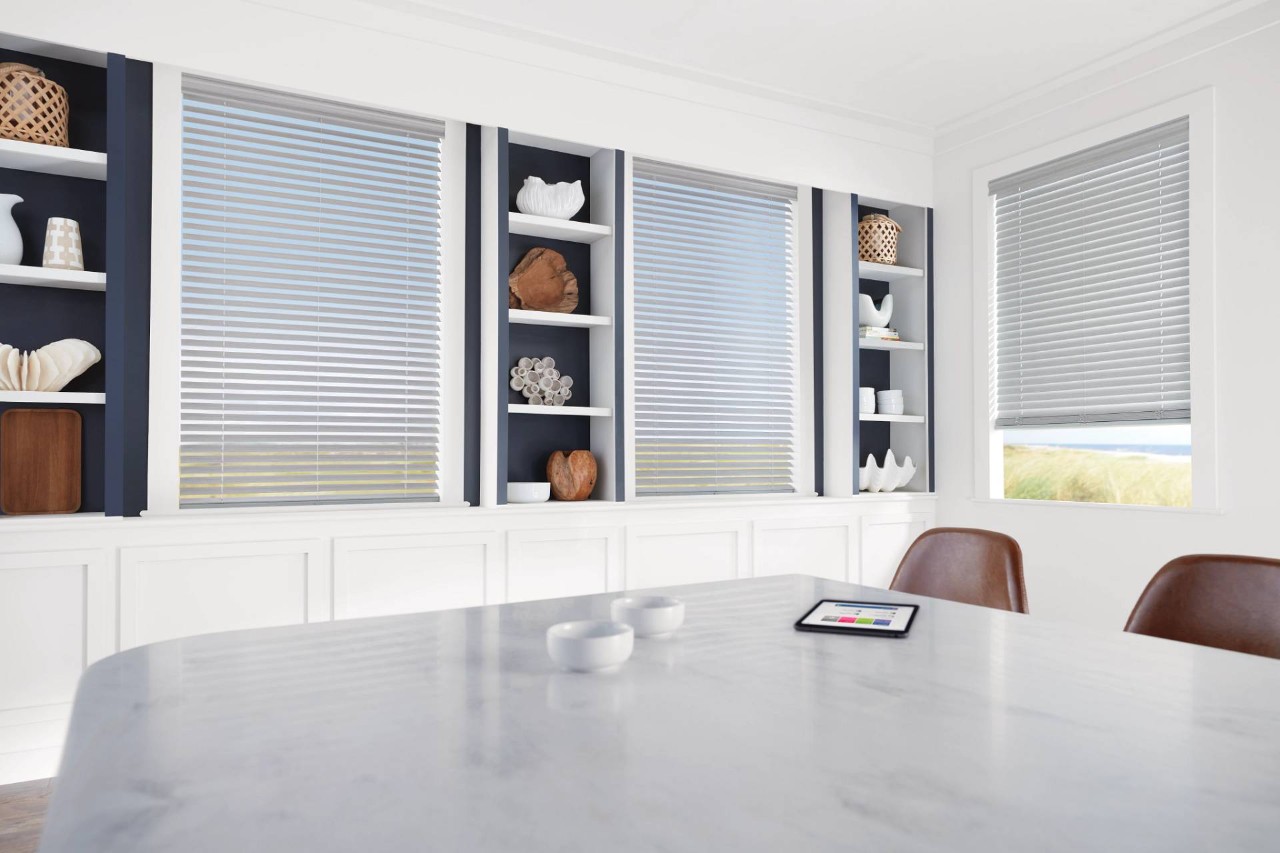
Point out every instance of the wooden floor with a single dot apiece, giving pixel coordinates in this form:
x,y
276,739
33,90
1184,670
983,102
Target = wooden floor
x,y
22,808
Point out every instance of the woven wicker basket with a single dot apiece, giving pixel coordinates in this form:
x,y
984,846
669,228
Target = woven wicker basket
x,y
32,108
878,239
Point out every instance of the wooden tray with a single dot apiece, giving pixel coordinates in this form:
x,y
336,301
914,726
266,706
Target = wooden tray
x,y
39,461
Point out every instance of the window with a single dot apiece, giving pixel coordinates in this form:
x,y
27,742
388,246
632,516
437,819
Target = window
x,y
310,334
1091,322
715,325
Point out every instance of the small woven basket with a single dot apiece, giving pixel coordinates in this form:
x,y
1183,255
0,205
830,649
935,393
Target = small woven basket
x,y
878,239
32,108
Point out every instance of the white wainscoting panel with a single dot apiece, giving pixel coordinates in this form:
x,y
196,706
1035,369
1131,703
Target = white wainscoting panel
x,y
180,590
385,575
663,555
825,548
556,563
885,538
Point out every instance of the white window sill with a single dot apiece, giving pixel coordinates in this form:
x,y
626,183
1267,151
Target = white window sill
x,y
1086,505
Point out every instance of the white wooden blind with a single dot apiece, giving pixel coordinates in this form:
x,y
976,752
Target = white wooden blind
x,y
715,332
1092,285
310,300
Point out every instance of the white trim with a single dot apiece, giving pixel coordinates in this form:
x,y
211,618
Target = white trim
x,y
453,310
987,447
626,314
806,290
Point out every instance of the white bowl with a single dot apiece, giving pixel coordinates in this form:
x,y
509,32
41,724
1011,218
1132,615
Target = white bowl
x,y
649,615
590,646
528,493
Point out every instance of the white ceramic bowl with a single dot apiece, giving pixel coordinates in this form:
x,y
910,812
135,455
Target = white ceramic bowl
x,y
649,615
528,493
590,646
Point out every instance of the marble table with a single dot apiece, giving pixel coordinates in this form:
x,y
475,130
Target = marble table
x,y
981,731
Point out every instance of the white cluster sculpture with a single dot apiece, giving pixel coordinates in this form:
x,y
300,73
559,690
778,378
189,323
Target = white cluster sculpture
x,y
49,368
540,382
873,478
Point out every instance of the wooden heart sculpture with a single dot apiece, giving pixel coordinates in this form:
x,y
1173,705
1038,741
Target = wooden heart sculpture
x,y
542,281
572,474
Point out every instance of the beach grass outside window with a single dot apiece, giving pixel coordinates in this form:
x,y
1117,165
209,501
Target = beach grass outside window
x,y
715,330
1091,322
310,300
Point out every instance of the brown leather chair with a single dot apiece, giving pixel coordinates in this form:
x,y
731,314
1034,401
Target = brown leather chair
x,y
1217,600
967,565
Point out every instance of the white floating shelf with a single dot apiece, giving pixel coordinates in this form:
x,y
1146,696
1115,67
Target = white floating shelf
x,y
876,343
582,411
887,272
556,229
551,318
52,160
41,277
893,419
63,397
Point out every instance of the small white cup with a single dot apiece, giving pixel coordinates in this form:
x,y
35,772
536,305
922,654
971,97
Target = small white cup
x,y
866,400
590,646
649,615
889,402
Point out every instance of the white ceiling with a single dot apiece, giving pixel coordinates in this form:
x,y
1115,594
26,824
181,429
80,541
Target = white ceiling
x,y
928,63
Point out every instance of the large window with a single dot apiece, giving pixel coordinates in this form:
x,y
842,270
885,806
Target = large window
x,y
716,355
310,340
1091,327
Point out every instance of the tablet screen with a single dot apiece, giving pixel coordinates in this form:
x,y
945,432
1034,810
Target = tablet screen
x,y
862,616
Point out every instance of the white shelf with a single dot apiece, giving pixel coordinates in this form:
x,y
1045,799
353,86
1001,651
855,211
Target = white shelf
x,y
63,397
551,318
41,277
556,229
582,411
893,419
52,160
876,343
887,272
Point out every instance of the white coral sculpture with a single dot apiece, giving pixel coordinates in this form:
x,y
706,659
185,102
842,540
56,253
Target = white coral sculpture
x,y
540,382
874,478
870,315
558,201
49,368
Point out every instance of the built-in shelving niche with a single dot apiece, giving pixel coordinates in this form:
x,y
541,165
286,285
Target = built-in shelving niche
x,y
584,343
906,365
103,181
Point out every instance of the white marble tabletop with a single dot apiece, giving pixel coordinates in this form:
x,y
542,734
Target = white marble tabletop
x,y
981,731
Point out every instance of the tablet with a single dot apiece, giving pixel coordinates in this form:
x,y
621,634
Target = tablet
x,y
859,617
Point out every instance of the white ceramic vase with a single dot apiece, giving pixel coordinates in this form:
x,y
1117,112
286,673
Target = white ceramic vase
x,y
558,201
870,315
10,236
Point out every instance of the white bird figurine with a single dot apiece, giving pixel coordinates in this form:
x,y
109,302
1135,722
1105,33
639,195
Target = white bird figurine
x,y
870,315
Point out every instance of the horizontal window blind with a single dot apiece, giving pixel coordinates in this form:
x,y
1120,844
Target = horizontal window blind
x,y
1092,285
715,332
310,300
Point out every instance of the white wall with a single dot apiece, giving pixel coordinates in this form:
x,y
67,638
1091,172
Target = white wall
x,y
373,54
1089,564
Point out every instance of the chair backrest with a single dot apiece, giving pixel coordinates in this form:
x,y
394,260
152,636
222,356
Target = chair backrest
x,y
965,564
1218,600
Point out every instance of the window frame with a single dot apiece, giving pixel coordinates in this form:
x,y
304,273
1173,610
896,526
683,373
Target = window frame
x,y
803,363
988,443
164,406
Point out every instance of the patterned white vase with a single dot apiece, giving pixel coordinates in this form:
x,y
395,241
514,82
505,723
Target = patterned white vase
x,y
62,247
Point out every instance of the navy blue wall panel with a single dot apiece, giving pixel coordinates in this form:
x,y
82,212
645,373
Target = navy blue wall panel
x,y
817,291
128,300
929,340
504,267
553,167
619,297
471,358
